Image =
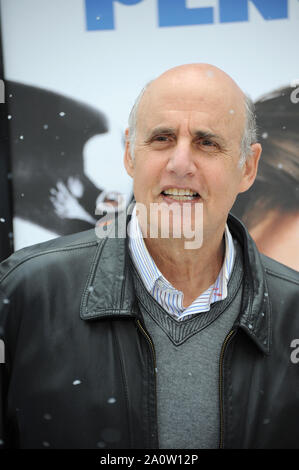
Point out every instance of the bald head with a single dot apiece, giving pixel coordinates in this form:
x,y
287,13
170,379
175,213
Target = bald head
x,y
206,85
202,80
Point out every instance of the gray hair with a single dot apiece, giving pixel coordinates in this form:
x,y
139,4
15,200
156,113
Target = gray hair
x,y
250,130
249,135
133,119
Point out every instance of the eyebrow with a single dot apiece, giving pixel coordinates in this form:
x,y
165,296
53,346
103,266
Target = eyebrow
x,y
208,135
170,131
161,130
204,134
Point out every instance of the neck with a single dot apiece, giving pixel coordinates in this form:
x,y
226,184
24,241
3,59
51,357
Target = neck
x,y
190,271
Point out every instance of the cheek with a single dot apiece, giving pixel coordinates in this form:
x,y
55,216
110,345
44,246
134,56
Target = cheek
x,y
148,171
223,184
146,177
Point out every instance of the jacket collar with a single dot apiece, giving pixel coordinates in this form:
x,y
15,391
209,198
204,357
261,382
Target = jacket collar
x,y
109,290
255,316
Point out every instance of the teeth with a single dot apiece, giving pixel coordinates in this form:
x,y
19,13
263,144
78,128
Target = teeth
x,y
180,192
182,198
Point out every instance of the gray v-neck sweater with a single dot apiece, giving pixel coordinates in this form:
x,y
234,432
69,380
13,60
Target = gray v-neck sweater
x,y
187,355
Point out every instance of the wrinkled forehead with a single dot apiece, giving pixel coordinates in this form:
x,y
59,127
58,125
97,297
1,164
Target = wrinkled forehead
x,y
204,99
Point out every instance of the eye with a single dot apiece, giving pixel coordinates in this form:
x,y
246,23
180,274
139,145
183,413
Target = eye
x,y
208,143
161,138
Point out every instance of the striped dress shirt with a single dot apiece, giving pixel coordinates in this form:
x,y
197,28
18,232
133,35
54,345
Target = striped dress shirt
x,y
163,292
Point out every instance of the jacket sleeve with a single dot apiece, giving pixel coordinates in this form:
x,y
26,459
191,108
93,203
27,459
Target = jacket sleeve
x,y
3,393
3,372
8,336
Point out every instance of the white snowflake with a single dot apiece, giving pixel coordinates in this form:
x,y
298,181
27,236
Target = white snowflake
x,y
77,382
101,444
111,400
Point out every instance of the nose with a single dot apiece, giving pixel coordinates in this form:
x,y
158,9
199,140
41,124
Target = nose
x,y
181,160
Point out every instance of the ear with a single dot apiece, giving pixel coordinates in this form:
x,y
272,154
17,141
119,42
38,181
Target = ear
x,y
128,160
250,167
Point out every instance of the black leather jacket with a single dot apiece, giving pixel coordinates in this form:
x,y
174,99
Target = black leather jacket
x,y
79,369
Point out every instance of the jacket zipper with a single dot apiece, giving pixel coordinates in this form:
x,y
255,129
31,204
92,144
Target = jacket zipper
x,y
224,345
155,365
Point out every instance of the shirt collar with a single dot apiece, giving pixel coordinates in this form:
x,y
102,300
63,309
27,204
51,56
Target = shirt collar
x,y
149,271
143,261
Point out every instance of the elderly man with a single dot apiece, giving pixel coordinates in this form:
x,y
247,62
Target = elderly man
x,y
145,342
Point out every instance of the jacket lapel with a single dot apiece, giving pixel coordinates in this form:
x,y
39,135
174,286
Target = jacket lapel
x,y
255,317
109,289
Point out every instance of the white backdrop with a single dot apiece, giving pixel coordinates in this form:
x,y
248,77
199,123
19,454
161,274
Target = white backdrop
x,y
47,44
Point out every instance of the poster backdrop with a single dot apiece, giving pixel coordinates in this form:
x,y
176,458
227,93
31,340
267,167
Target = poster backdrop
x,y
6,231
74,68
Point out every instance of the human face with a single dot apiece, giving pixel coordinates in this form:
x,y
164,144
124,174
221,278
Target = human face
x,y
188,137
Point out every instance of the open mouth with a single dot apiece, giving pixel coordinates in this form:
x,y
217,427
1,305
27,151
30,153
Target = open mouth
x,y
181,194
